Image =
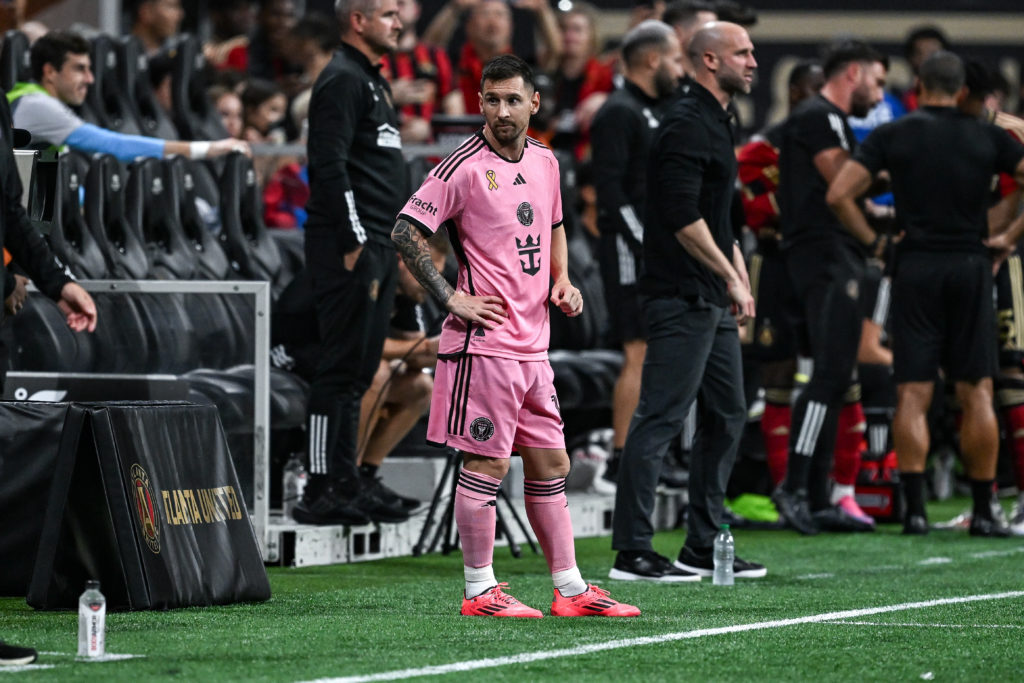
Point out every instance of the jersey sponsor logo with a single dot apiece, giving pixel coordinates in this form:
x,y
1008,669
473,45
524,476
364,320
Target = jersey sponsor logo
x,y
492,183
836,122
422,206
520,180
525,214
481,429
388,136
529,249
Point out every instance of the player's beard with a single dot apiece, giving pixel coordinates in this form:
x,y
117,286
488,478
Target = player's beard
x,y
860,103
665,83
507,135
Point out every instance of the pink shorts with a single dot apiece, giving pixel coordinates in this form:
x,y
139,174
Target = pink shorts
x,y
488,406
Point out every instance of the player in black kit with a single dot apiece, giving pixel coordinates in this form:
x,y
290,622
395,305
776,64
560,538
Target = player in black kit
x,y
825,266
942,162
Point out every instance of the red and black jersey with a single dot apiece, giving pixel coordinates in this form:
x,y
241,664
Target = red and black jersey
x,y
422,62
1015,127
759,178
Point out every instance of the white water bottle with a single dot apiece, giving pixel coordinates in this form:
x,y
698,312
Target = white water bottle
x,y
724,557
92,621
293,484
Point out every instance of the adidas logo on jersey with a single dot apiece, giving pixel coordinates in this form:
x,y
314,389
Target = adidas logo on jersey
x,y
520,180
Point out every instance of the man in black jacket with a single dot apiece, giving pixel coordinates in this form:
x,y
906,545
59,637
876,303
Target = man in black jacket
x,y
621,141
357,184
694,290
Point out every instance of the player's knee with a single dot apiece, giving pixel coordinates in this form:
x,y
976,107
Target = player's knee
x,y
482,464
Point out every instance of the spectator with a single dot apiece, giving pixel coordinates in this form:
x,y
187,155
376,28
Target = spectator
x,y
62,75
161,69
231,21
263,110
646,9
269,52
489,34
156,21
582,82
421,78
686,16
314,40
229,105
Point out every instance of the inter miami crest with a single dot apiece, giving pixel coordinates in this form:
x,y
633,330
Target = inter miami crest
x,y
529,249
525,214
481,429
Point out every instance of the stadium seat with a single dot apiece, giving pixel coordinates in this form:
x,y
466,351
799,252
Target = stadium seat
x,y
69,236
253,253
38,339
15,60
288,395
133,69
105,215
194,115
292,246
180,177
106,103
151,205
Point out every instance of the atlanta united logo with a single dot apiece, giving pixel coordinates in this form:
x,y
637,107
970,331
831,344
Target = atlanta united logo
x,y
149,523
525,214
481,429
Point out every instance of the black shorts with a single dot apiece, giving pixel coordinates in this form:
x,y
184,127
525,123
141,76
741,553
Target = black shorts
x,y
620,269
1010,312
771,337
942,316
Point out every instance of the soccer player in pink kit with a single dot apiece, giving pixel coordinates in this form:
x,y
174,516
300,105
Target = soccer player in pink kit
x,y
498,195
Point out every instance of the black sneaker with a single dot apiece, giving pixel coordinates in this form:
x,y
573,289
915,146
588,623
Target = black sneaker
x,y
648,566
793,509
915,525
834,518
390,496
12,655
373,505
329,506
703,564
987,526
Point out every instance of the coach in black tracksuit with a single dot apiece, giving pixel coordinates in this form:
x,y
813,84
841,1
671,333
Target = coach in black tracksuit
x,y
825,266
942,162
357,182
693,285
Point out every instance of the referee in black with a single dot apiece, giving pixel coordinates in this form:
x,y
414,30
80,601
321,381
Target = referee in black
x,y
942,162
620,144
825,267
357,179
694,290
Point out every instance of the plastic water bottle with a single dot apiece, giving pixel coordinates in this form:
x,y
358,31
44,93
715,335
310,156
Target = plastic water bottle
x,y
293,484
92,621
725,555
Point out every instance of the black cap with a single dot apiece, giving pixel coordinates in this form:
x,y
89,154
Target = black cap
x,y
21,138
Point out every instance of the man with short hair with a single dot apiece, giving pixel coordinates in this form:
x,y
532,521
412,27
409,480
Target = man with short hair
x,y
156,21
499,196
620,143
686,17
942,313
825,267
62,74
694,292
356,178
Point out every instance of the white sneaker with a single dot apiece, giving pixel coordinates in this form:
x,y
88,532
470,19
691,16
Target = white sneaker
x,y
1017,518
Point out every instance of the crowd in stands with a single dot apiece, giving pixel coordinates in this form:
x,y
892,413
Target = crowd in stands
x,y
262,58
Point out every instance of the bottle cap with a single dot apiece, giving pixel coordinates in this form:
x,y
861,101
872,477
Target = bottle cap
x,y
92,585
724,527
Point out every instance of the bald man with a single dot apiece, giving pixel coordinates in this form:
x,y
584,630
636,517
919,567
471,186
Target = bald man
x,y
694,292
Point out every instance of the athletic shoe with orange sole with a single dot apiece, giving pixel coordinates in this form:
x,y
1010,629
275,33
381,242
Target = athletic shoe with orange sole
x,y
593,602
497,603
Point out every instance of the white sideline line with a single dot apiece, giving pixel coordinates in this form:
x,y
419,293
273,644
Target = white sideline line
x,y
883,623
527,657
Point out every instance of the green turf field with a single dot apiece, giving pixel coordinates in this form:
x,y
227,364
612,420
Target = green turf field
x,y
402,614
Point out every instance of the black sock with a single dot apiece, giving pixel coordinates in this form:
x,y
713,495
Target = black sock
x,y
913,489
367,471
981,492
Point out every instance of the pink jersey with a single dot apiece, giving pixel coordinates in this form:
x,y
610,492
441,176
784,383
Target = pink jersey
x,y
499,215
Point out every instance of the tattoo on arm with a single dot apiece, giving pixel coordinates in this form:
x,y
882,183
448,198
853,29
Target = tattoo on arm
x,y
414,248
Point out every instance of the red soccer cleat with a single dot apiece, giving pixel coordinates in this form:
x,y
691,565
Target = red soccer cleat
x,y
593,602
495,603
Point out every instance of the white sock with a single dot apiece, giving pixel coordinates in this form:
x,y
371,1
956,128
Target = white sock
x,y
569,582
840,491
479,580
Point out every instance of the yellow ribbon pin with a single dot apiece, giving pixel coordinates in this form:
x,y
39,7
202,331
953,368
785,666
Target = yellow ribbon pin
x,y
491,182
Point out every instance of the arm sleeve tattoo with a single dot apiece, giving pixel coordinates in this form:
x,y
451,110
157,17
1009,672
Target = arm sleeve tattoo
x,y
414,248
